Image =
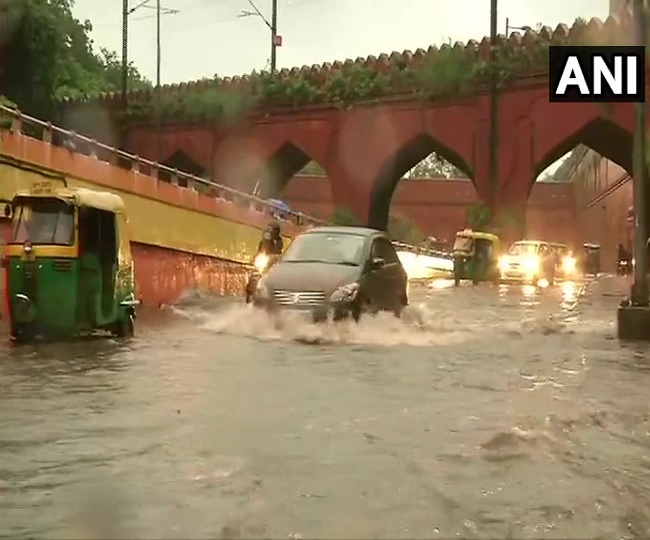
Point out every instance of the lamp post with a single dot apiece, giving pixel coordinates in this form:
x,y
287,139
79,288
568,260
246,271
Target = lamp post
x,y
494,106
124,75
634,314
276,40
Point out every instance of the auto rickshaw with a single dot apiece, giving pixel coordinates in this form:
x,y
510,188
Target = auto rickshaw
x,y
68,264
591,259
476,256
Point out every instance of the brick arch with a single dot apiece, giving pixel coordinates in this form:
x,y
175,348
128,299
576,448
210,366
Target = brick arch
x,y
281,166
602,135
393,169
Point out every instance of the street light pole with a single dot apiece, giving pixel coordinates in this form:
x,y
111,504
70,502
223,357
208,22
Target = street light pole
x,y
274,35
494,106
639,293
158,104
633,315
276,40
125,65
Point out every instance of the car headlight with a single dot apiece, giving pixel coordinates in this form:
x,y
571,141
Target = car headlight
x,y
531,264
569,264
346,293
261,261
504,264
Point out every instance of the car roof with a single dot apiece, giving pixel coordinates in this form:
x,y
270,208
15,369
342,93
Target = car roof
x,y
341,229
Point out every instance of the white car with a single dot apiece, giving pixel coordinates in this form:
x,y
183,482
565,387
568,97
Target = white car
x,y
528,261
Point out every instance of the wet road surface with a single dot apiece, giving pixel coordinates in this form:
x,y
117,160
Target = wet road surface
x,y
486,413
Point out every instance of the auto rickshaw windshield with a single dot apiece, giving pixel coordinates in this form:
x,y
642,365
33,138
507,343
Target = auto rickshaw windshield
x,y
464,244
43,221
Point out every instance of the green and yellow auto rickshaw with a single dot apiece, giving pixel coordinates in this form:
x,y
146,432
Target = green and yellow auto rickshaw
x,y
476,256
68,264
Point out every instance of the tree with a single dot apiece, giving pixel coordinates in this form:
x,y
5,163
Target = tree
x,y
342,215
478,217
312,168
402,230
47,55
433,166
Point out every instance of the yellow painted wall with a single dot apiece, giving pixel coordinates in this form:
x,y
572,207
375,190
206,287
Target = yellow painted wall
x,y
154,222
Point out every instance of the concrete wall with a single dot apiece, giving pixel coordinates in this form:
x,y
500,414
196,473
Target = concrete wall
x,y
604,196
438,207
181,239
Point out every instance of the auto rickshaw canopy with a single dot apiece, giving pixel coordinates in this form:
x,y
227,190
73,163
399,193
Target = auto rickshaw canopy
x,y
99,200
478,235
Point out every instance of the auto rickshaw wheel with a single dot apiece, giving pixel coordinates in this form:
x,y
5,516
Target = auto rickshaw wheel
x,y
125,327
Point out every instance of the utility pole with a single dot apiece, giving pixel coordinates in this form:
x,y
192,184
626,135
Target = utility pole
x,y
494,106
158,104
274,35
634,314
125,66
126,12
639,291
276,40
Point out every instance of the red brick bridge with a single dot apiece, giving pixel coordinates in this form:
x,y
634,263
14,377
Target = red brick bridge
x,y
367,147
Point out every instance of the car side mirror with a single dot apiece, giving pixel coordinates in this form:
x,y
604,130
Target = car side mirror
x,y
377,262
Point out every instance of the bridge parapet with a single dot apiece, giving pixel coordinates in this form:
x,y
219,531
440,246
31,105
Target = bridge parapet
x,y
26,125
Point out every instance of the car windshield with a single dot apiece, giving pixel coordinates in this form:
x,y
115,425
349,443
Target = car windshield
x,y
523,248
43,221
330,248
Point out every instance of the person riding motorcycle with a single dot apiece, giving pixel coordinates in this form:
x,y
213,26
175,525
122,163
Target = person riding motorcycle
x,y
271,243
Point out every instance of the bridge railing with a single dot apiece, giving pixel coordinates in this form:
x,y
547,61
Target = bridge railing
x,y
32,127
438,253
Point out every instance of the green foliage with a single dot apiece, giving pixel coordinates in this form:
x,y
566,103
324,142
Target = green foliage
x,y
434,166
478,217
314,169
403,230
447,71
47,55
342,215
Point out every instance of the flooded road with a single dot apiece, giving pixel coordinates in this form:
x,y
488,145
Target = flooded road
x,y
486,413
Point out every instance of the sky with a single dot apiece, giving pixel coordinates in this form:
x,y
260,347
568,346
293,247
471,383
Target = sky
x,y
208,37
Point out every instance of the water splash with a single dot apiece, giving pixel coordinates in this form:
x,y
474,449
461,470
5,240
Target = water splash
x,y
418,326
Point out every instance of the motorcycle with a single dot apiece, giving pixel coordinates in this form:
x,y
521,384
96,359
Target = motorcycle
x,y
624,268
262,263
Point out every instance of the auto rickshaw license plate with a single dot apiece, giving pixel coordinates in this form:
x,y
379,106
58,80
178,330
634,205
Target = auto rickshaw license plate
x,y
43,187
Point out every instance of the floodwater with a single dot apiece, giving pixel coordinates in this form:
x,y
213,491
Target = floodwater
x,y
486,413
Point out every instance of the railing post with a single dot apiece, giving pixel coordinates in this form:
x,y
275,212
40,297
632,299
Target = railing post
x,y
93,149
174,178
135,164
47,133
17,123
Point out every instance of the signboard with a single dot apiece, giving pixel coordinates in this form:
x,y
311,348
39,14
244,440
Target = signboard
x,y
277,40
43,187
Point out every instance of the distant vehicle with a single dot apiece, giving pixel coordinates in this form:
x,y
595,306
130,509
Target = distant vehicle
x,y
476,256
528,261
566,264
335,272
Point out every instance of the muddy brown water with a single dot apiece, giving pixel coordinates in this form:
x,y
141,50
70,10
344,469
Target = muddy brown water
x,y
485,413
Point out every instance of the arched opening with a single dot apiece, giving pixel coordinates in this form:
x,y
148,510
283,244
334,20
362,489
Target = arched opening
x,y
292,176
424,187
582,191
180,161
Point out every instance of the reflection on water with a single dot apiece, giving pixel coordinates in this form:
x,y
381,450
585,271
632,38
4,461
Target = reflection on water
x,y
486,412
